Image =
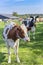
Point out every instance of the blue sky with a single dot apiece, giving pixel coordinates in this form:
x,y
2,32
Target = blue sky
x,y
21,6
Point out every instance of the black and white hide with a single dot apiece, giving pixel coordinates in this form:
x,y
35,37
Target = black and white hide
x,y
31,25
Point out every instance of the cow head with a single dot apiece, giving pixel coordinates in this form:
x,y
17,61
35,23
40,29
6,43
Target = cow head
x,y
22,33
33,20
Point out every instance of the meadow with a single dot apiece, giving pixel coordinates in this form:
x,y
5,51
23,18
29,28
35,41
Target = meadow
x,y
30,53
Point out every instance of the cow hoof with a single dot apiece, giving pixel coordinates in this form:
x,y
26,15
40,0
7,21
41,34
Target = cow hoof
x,y
9,61
18,60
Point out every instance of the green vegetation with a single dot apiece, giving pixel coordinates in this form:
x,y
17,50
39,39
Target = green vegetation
x,y
26,15
30,53
19,15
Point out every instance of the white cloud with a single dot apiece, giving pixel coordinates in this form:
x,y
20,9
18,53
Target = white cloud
x,y
6,7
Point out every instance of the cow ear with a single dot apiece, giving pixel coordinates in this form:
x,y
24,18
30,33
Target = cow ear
x,y
37,16
31,16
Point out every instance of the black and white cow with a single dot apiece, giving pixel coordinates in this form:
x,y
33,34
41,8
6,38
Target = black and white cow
x,y
30,24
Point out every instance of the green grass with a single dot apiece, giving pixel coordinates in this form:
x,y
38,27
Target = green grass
x,y
30,53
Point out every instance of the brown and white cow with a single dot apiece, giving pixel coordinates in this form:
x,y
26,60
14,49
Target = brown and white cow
x,y
11,34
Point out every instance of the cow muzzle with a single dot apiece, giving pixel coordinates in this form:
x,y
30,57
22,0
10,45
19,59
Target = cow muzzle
x,y
27,39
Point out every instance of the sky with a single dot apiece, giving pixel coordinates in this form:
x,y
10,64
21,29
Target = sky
x,y
21,6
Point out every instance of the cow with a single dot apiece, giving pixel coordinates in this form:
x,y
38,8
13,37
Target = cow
x,y
12,33
30,24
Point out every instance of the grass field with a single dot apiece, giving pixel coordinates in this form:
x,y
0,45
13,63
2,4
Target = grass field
x,y
30,53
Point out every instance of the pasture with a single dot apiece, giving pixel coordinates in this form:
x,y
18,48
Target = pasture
x,y
30,53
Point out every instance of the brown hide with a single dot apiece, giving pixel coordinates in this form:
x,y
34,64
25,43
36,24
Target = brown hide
x,y
16,30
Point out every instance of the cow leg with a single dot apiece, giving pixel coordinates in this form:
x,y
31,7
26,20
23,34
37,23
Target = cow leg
x,y
33,31
9,55
29,33
34,35
16,51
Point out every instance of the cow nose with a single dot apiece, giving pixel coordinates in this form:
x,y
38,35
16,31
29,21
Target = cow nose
x,y
28,40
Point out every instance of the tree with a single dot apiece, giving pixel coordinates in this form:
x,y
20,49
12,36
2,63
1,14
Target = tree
x,y
15,14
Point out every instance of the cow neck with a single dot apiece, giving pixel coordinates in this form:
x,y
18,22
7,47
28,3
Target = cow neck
x,y
28,28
